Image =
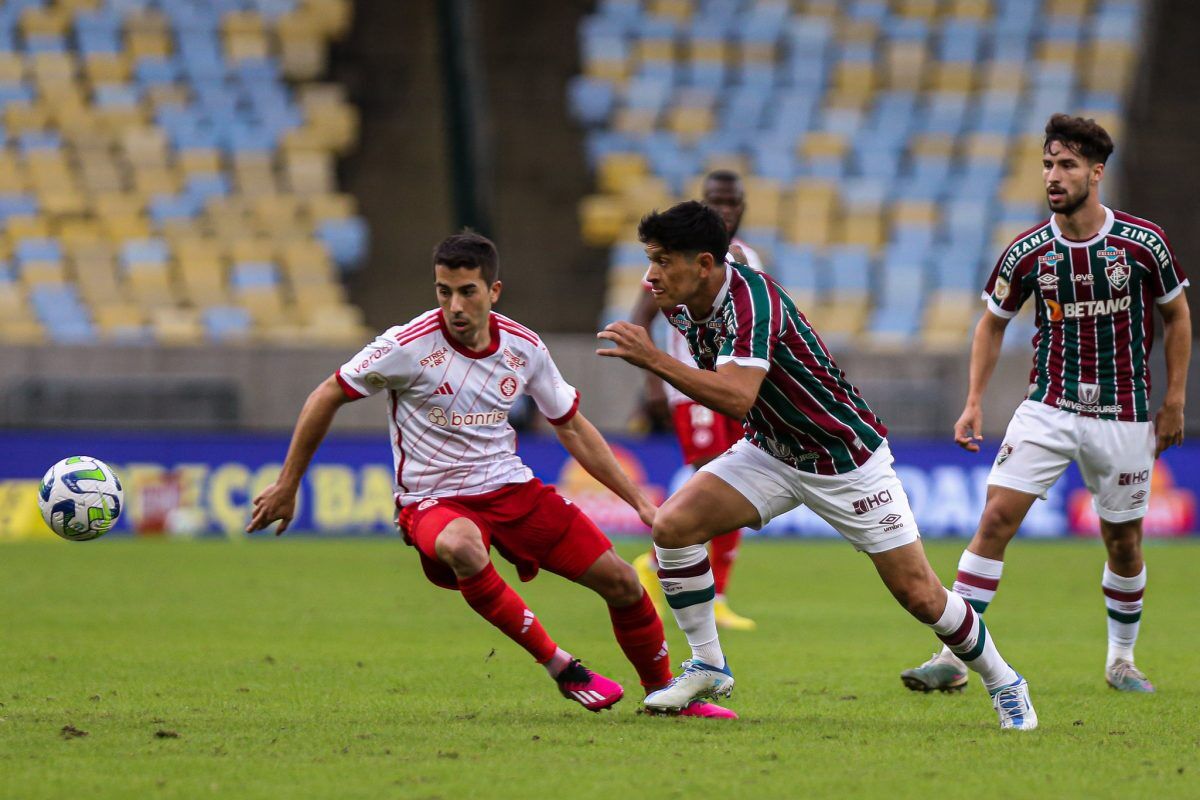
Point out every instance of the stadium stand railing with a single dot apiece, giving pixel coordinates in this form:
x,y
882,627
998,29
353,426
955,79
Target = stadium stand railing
x,y
890,149
168,172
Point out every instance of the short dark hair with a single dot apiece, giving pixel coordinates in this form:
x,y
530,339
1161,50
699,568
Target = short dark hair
x,y
1083,136
469,250
723,175
689,227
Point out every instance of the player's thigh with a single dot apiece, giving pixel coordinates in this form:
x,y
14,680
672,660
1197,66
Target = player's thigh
x,y
701,509
867,506
423,527
558,536
1038,446
1116,461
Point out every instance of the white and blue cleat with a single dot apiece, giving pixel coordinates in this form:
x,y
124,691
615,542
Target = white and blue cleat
x,y
1014,707
697,681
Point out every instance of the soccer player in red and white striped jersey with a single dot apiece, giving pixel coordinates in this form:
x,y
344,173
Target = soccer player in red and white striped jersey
x,y
1095,276
451,377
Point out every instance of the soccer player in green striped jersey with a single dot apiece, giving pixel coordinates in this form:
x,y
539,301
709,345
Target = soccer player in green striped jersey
x,y
810,439
1095,276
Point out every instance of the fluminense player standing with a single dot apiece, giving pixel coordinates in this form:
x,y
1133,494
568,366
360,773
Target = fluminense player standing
x,y
1095,276
703,434
811,439
451,377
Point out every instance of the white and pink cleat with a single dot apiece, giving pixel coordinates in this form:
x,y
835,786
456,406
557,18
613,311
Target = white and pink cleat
x,y
591,690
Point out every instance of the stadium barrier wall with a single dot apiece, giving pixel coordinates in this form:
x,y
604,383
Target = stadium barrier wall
x,y
203,484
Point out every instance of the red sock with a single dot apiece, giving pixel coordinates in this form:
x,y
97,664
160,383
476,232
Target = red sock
x,y
495,601
639,631
722,551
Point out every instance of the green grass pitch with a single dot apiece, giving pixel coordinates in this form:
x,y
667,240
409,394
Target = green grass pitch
x,y
304,668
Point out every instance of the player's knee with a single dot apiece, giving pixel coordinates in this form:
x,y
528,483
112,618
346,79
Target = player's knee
x,y
622,587
923,600
998,524
1124,542
671,528
460,546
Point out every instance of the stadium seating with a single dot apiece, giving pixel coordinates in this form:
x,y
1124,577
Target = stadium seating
x,y
890,147
167,172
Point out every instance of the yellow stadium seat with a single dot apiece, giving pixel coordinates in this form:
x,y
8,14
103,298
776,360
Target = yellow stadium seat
x,y
144,43
77,233
808,215
309,172
1066,8
12,174
124,227
1003,76
265,304
690,123
104,68
198,161
243,46
951,77
117,204
1057,52
986,146
970,9
1108,66
679,10
654,49
166,94
322,207
101,176
302,50
914,214
52,68
635,121
601,219
763,204
854,78
12,67
617,170
857,31
203,282
118,319
916,9
256,250
150,285
864,228
35,273
904,65
145,146
756,52
64,201
150,181
332,15
276,211
25,226
932,145
176,326
22,332
21,117
840,317
306,258
824,144
14,303
39,21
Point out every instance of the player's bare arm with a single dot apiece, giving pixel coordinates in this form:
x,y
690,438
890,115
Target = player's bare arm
x,y
985,352
731,390
585,444
1177,346
277,502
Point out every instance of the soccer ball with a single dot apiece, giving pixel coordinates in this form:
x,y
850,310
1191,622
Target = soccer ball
x,y
80,498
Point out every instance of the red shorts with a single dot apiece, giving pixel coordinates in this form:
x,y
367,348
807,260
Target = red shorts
x,y
703,433
530,524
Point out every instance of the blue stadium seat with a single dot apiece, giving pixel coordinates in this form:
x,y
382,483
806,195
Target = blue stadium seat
x,y
346,240
32,250
960,42
796,267
145,251
591,100
166,208
849,269
17,205
253,275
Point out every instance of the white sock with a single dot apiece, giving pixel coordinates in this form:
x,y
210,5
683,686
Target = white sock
x,y
687,583
963,631
1123,599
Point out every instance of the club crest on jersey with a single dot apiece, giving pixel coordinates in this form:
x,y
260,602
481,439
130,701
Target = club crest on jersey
x,y
508,386
1117,270
1005,451
513,360
1089,393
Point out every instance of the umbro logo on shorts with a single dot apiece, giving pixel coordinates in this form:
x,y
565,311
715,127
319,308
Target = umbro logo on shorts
x,y
891,519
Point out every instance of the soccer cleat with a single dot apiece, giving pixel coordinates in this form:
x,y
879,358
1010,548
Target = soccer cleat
x,y
944,672
702,708
1125,677
731,620
697,681
648,576
1013,706
591,690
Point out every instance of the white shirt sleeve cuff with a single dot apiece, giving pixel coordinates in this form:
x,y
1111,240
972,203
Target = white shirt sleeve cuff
x,y
993,307
1171,295
745,361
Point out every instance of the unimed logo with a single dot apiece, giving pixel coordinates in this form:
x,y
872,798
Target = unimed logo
x,y
874,501
1133,478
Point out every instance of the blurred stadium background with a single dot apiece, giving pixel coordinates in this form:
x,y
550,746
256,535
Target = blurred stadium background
x,y
207,205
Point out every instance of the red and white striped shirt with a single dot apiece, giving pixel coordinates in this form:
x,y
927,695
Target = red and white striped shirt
x,y
448,405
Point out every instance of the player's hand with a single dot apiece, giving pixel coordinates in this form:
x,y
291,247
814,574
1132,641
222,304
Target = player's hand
x,y
739,255
646,512
968,431
274,503
1168,427
632,343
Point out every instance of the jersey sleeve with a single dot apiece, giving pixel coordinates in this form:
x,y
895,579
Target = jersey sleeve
x,y
1006,290
751,331
382,364
1168,279
555,398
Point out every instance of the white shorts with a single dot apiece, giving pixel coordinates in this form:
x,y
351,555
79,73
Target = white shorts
x,y
1115,458
867,506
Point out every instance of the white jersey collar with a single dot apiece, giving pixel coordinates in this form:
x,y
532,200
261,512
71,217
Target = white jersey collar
x,y
1104,230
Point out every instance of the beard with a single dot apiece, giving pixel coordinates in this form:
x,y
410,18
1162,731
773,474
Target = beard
x,y
1071,204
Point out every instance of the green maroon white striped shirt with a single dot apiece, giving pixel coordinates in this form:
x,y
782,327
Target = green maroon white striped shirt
x,y
1094,306
807,414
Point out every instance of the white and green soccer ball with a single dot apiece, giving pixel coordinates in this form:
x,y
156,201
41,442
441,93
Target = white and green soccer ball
x,y
80,498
